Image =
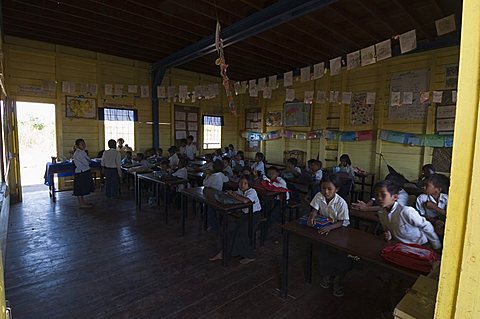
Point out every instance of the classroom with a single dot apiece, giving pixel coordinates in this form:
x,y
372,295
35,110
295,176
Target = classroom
x,y
239,159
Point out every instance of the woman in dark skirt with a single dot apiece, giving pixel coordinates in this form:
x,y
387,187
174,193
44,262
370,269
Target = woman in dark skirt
x,y
83,182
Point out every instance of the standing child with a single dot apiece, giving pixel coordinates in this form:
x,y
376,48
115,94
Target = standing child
x,y
215,181
83,182
190,148
112,169
259,165
329,204
402,223
240,241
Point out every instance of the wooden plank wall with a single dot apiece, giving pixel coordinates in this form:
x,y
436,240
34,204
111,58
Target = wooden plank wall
x,y
374,78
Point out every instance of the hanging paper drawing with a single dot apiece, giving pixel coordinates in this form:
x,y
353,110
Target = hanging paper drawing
x,y
227,84
296,114
81,107
361,112
273,119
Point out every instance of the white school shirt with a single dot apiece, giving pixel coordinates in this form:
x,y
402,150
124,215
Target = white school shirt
x,y
240,163
231,153
81,161
251,194
298,170
181,173
337,209
111,158
174,160
215,181
279,182
228,170
206,166
348,169
191,151
442,203
407,226
402,198
318,176
259,167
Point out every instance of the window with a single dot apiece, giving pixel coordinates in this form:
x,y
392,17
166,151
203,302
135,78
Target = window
x,y
119,123
212,132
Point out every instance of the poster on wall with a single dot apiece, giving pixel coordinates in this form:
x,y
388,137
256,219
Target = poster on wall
x,y
80,107
296,114
273,119
361,112
451,76
415,82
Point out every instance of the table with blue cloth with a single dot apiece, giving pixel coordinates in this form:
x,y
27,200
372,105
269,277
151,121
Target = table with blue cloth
x,y
62,170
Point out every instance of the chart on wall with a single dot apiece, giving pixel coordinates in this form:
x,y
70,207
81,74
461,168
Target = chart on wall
x,y
296,114
406,90
186,123
361,112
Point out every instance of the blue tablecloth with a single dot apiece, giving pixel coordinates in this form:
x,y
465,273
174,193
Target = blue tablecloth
x,y
66,169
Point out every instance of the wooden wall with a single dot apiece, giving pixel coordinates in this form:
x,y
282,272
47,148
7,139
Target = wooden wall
x,y
374,78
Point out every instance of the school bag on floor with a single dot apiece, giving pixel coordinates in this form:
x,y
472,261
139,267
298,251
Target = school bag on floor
x,y
320,221
411,256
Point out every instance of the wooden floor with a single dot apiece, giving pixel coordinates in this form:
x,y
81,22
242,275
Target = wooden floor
x,y
112,262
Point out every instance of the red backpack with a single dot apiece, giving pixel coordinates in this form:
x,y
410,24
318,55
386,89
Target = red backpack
x,y
411,256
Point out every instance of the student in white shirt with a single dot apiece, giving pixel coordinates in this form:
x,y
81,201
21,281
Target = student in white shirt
x,y
208,165
239,237
112,169
315,168
182,173
238,162
217,155
215,181
329,204
227,168
231,151
275,212
190,148
258,167
83,182
173,157
433,204
402,223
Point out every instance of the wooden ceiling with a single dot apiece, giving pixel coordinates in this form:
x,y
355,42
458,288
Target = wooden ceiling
x,y
150,30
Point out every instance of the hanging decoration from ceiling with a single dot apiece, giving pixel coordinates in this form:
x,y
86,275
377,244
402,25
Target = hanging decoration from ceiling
x,y
227,84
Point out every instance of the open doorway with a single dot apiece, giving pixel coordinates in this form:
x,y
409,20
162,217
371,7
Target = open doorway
x,y
37,142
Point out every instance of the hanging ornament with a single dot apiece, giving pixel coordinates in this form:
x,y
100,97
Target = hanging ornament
x,y
227,84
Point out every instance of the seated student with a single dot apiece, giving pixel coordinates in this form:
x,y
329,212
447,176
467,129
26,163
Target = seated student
x,y
292,170
402,223
173,157
127,160
238,161
165,166
372,206
433,204
182,147
181,172
346,165
227,170
247,173
258,165
273,177
208,165
427,170
215,181
231,152
140,159
240,245
190,148
328,203
217,155
315,169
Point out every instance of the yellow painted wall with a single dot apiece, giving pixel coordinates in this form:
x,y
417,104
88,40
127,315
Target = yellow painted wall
x,y
374,78
30,62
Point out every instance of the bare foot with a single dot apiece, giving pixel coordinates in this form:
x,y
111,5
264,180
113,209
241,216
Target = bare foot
x,y
218,256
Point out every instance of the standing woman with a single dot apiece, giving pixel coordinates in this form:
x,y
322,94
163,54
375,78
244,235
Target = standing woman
x,y
83,183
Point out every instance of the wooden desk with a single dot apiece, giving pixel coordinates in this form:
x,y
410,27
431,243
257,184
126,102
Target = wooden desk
x,y
356,244
197,163
166,183
206,195
64,168
196,178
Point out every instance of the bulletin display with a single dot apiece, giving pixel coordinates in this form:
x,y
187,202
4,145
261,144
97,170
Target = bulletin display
x,y
186,123
444,124
406,95
253,123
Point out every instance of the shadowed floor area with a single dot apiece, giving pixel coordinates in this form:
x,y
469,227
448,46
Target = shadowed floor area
x,y
113,262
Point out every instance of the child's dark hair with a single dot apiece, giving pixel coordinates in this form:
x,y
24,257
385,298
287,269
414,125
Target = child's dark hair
x,y
218,165
240,153
346,158
140,156
396,179
332,178
78,141
160,150
248,178
260,156
190,137
430,168
273,169
112,143
172,149
248,169
439,181
226,158
389,185
208,156
292,161
230,145
311,161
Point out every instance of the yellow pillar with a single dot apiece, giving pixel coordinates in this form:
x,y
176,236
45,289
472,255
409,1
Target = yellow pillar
x,y
459,293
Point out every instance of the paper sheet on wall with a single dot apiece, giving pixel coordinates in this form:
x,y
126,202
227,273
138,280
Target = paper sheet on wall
x,y
346,97
437,96
394,98
445,125
65,87
408,41
108,89
267,93
118,89
288,79
133,89
144,91
193,117
368,55
308,97
272,81
371,96
318,70
336,66
384,50
180,125
321,97
446,111
454,96
171,91
353,60
289,95
407,98
252,88
445,25
243,87
180,116
305,74
192,126
180,134
262,84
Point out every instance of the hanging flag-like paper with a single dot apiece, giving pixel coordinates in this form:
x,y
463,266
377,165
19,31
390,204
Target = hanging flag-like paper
x,y
262,83
144,91
425,97
384,50
321,97
182,91
368,55
395,98
305,74
318,70
308,97
407,98
108,89
353,60
272,81
408,41
289,95
118,89
346,97
437,96
371,97
133,88
171,91
267,93
288,79
252,88
161,92
445,25
335,66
